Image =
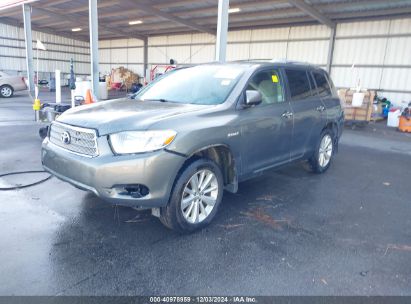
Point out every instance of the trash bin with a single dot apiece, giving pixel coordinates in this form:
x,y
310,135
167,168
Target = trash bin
x,y
102,89
394,118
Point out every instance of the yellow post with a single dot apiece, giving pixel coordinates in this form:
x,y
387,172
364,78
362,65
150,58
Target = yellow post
x,y
36,105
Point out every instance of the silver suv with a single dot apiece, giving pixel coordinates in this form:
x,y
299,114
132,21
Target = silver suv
x,y
195,132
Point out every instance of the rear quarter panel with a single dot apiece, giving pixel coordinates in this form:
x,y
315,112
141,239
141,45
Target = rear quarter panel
x,y
15,82
335,113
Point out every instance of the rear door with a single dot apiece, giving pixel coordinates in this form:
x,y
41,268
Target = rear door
x,y
308,111
328,95
266,130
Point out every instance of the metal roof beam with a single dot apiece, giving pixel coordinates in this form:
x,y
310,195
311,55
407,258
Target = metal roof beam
x,y
84,8
54,23
309,10
46,30
177,3
269,21
54,3
374,14
146,7
84,22
341,17
208,9
278,12
121,12
241,5
11,12
40,17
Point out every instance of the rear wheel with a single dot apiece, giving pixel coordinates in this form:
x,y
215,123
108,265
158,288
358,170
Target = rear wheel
x,y
321,160
6,91
195,198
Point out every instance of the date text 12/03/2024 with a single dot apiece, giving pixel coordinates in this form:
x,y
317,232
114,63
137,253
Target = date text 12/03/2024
x,y
235,299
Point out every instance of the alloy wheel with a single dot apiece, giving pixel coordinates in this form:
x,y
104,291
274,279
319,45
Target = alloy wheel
x,y
326,149
199,196
6,91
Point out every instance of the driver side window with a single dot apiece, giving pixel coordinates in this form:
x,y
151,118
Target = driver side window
x,y
269,84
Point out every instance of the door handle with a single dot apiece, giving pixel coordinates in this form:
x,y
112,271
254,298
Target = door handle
x,y
320,109
287,114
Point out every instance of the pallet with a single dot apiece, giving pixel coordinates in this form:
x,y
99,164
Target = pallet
x,y
356,123
357,114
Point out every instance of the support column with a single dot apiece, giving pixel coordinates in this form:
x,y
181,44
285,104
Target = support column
x,y
222,29
93,25
58,86
331,49
145,64
29,46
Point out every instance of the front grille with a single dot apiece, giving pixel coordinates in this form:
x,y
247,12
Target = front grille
x,y
75,139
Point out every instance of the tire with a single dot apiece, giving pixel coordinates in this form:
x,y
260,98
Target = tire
x,y
6,91
204,203
324,152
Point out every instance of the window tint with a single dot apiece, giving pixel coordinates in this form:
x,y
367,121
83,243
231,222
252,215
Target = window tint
x,y
299,84
323,88
269,84
312,84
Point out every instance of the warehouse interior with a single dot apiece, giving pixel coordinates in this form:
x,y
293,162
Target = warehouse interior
x,y
288,233
185,31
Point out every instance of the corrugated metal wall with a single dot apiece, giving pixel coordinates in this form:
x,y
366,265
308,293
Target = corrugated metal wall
x,y
380,51
121,52
381,54
242,45
58,54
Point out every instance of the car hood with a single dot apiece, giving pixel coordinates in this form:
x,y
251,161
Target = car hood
x,y
124,114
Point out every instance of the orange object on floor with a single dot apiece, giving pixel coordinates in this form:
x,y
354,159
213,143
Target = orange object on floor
x,y
88,99
405,124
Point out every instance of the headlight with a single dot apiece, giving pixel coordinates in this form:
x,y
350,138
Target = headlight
x,y
141,141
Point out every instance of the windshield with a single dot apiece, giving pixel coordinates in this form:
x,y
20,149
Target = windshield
x,y
203,84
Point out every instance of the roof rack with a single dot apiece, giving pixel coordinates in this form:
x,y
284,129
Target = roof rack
x,y
275,60
251,60
290,61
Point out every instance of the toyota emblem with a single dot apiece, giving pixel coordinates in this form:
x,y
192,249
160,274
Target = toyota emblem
x,y
65,138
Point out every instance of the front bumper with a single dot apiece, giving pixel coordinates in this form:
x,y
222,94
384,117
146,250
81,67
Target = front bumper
x,y
106,173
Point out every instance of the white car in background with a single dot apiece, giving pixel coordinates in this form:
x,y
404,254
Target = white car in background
x,y
10,84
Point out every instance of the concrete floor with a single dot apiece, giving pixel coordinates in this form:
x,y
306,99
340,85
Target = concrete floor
x,y
347,232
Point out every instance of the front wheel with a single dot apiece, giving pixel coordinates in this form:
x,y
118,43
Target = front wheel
x,y
6,91
195,198
323,155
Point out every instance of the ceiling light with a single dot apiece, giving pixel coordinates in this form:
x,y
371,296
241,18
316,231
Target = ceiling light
x,y
76,29
135,22
234,10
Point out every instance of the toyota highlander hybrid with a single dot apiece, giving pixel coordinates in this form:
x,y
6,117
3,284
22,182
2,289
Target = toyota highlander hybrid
x,y
195,132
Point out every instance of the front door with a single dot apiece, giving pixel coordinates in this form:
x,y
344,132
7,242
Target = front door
x,y
266,128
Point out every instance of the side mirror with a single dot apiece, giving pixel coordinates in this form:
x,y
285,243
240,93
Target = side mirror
x,y
253,98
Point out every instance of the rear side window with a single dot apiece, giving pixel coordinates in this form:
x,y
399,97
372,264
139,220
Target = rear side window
x,y
299,84
323,87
